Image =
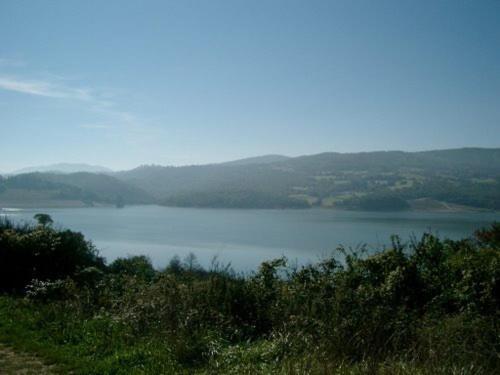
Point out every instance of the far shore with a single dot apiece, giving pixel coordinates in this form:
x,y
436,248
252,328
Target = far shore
x,y
419,205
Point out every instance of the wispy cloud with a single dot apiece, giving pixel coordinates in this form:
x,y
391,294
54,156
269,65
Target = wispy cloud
x,y
57,87
43,88
100,102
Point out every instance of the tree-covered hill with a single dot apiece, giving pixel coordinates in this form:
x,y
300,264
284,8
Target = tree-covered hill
x,y
370,180
63,168
384,180
85,188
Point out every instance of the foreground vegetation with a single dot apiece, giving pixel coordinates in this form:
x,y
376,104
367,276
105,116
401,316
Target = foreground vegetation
x,y
430,306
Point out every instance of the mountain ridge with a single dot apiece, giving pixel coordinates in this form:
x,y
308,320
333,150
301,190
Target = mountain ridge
x,y
63,168
379,180
263,159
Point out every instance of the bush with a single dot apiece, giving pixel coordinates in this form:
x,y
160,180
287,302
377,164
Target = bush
x,y
43,253
431,306
138,266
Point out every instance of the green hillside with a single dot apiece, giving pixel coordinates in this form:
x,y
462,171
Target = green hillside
x,y
35,189
371,180
392,180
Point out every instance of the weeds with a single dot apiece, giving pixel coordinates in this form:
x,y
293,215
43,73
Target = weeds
x,y
430,307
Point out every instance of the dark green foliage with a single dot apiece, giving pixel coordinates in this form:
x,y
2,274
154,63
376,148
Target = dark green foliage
x,y
234,199
43,253
43,219
82,186
489,237
139,266
376,202
431,306
457,190
102,187
387,180
370,181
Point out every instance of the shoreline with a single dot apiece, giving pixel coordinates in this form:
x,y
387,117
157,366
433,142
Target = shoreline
x,y
443,207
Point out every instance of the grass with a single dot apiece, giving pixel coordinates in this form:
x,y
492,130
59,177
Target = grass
x,y
402,184
12,362
88,346
305,197
427,307
331,201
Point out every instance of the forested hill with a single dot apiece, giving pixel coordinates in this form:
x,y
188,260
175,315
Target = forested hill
x,y
63,168
52,189
393,180
371,180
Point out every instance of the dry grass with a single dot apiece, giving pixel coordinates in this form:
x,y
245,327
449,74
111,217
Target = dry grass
x,y
12,362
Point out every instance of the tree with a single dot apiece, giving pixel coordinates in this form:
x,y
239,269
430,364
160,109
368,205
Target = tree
x,y
138,265
175,265
190,263
43,219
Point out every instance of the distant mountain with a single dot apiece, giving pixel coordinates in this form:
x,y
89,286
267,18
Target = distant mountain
x,y
64,168
264,159
56,189
369,180
385,180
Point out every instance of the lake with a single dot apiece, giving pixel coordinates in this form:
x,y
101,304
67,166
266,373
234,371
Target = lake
x,y
247,237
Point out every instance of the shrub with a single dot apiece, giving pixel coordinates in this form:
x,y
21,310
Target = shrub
x,y
138,266
42,253
431,306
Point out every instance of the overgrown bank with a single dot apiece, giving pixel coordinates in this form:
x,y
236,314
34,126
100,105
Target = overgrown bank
x,y
431,306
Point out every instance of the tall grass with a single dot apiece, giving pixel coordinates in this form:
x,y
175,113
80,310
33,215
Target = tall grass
x,y
430,306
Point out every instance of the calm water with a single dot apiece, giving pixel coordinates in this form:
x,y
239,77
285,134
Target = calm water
x,y
247,237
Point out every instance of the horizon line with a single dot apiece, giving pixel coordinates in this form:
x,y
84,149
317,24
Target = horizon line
x,y
114,170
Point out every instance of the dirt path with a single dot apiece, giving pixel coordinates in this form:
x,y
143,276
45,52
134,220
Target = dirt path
x,y
12,362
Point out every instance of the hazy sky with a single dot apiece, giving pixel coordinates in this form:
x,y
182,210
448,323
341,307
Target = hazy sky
x,y
123,83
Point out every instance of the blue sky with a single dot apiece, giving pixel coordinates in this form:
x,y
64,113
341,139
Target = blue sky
x,y
124,83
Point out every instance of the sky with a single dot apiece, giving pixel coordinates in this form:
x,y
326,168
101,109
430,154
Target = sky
x,y
125,83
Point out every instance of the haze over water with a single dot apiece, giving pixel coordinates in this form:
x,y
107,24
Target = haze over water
x,y
245,238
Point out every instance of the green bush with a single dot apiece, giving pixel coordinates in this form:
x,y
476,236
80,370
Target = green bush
x,y
430,307
138,266
43,253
